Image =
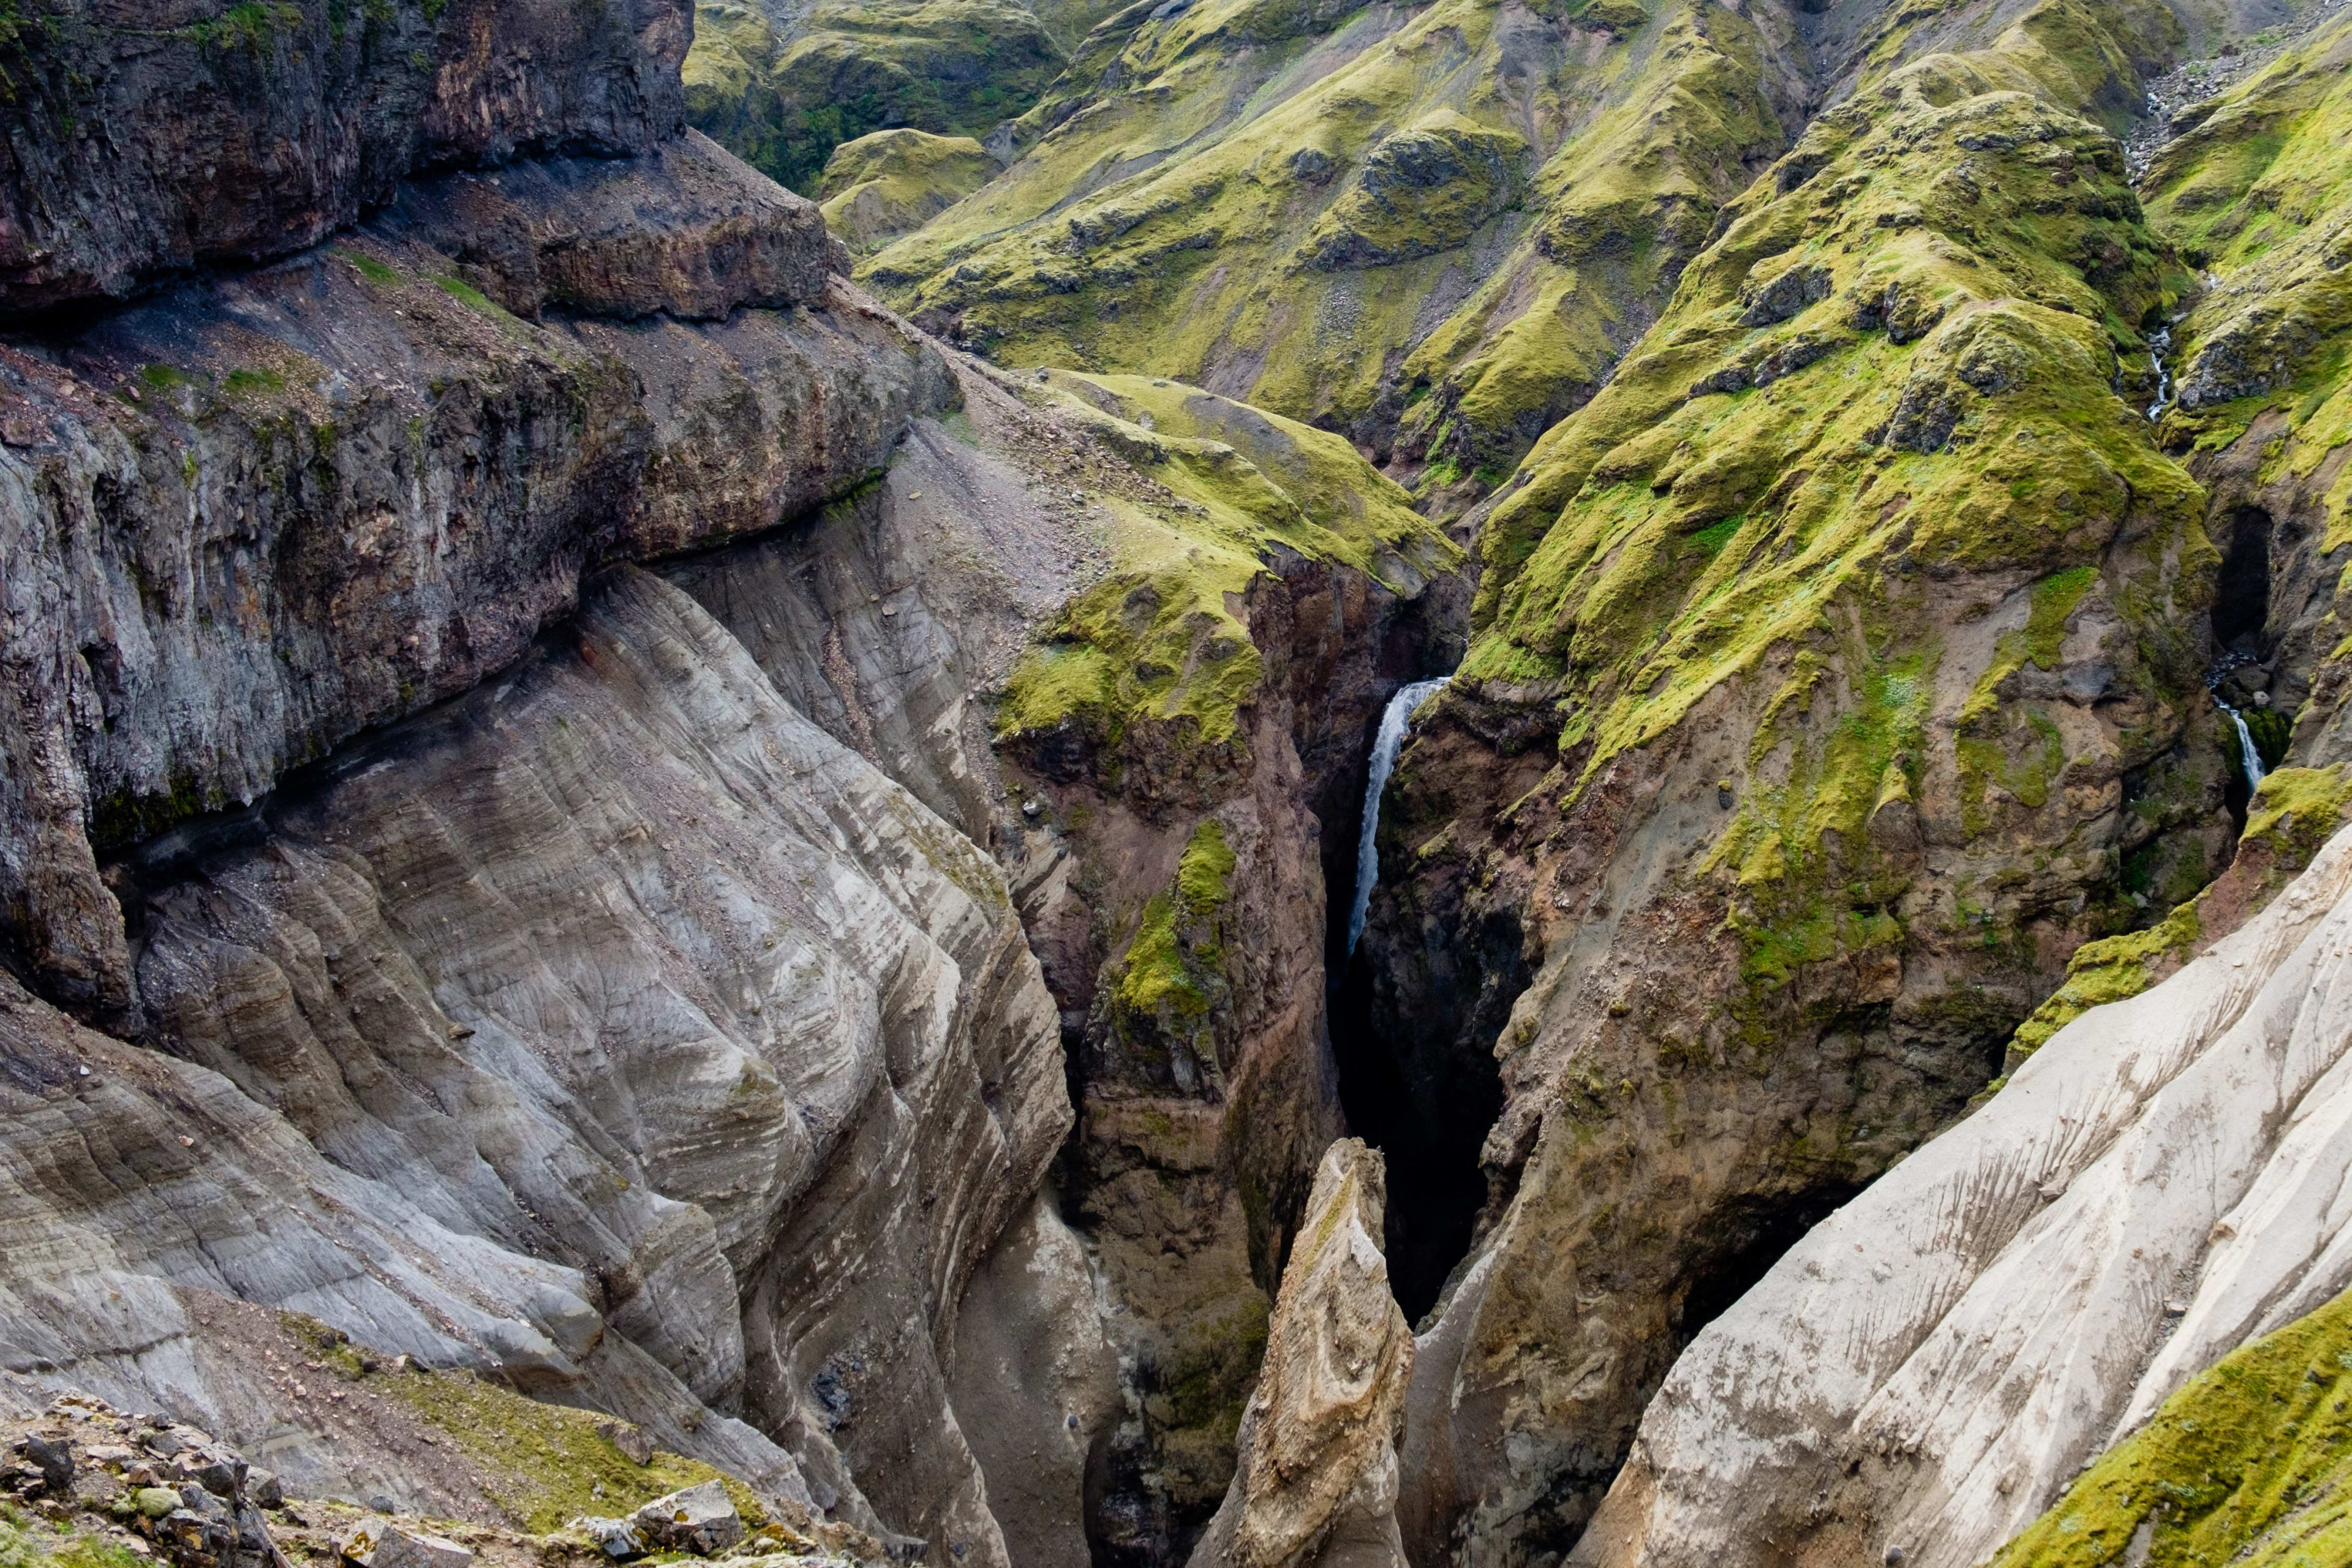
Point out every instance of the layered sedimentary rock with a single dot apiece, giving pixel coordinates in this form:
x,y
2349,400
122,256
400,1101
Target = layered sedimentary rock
x,y
600,1012
1193,624
1935,1364
141,141
250,517
1317,1478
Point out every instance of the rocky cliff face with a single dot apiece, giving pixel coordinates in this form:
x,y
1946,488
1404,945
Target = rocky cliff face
x,y
597,978
2149,1182
1317,1478
1194,628
1837,675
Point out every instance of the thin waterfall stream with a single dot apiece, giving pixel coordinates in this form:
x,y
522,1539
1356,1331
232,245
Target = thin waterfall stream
x,y
2249,754
1396,719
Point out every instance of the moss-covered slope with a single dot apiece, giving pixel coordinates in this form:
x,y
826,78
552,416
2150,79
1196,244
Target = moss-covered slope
x,y
2256,191
1434,228
1160,642
891,183
2249,1464
780,85
1829,667
1285,201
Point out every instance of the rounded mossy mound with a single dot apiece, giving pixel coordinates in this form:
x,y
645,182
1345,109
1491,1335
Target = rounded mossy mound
x,y
782,89
893,181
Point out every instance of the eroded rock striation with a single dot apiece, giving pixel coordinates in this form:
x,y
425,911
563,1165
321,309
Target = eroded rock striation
x,y
1937,1364
1318,1480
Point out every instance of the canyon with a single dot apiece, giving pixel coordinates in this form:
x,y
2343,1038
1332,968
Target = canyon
x,y
1231,783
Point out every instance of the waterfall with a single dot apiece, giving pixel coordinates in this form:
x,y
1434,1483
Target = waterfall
x,y
2248,753
1385,746
2157,345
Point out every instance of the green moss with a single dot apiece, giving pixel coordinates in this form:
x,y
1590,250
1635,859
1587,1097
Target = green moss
x,y
25,1543
881,186
473,298
371,269
2250,1463
783,92
1159,640
163,377
2110,970
1170,979
253,380
2297,810
546,1463
1201,874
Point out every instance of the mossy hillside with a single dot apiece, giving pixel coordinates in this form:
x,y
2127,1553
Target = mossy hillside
x,y
1202,258
2259,193
1275,249
1623,205
2248,1463
1895,368
892,182
1159,639
783,86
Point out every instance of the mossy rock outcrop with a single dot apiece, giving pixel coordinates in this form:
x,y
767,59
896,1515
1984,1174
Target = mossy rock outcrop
x,y
783,86
891,183
1827,665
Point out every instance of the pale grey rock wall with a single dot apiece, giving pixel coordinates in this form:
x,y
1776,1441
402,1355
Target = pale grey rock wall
x,y
242,523
611,1025
1932,1365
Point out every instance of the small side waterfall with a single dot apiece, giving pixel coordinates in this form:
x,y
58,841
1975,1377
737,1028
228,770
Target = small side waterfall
x,y
2249,754
1395,718
2156,345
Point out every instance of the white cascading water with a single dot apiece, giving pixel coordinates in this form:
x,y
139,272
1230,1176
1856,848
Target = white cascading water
x,y
2248,753
1395,719
2156,345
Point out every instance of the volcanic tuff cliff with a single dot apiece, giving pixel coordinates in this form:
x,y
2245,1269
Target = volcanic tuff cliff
x,y
536,714
589,805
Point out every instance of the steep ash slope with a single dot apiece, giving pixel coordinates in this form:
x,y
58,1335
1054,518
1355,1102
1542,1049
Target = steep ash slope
x,y
1837,674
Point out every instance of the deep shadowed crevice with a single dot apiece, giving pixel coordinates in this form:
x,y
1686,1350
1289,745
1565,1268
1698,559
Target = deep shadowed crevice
x,y
2241,600
1418,1081
1740,1246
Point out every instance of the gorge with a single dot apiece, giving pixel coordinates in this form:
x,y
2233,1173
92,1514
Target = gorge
x,y
1232,783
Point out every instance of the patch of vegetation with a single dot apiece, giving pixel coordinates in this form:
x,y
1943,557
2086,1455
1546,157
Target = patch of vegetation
x,y
2248,1463
369,268
783,98
890,183
1159,640
547,1464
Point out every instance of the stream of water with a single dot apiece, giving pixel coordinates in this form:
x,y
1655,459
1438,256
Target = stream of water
x,y
1394,720
2157,345
2248,753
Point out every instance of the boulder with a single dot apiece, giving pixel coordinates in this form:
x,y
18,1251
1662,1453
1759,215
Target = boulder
x,y
384,1544
699,1519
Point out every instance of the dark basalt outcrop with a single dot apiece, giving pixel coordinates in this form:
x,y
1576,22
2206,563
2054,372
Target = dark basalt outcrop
x,y
142,140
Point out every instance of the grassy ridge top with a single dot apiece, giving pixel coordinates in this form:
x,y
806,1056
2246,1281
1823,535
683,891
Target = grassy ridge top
x,y
1162,638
